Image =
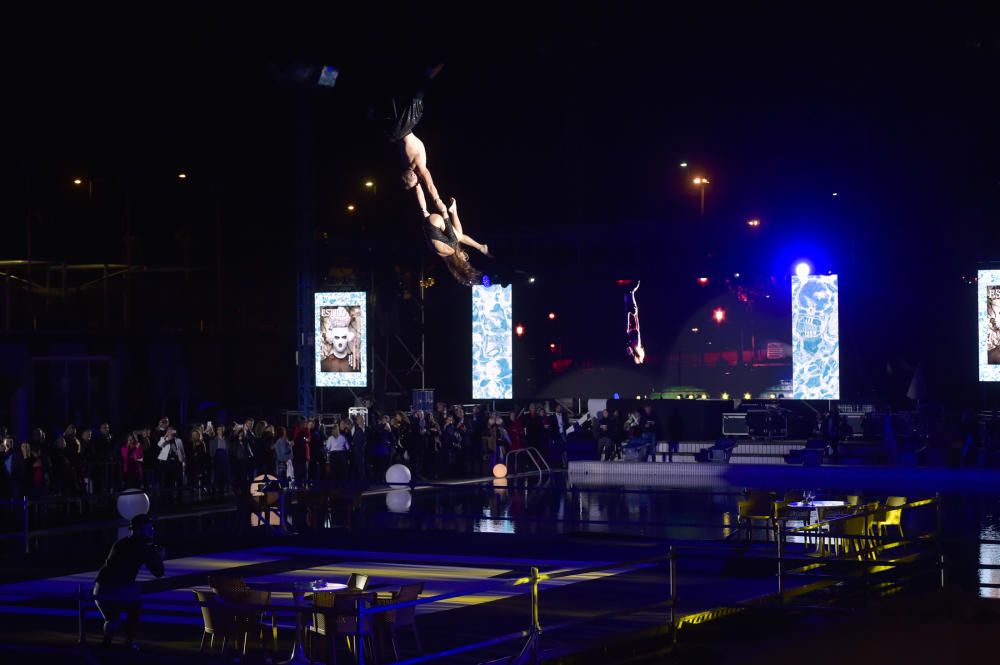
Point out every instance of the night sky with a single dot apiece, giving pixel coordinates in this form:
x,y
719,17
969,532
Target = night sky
x,y
560,129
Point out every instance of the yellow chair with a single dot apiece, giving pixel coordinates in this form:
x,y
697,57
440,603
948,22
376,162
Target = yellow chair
x,y
854,533
335,615
889,515
758,506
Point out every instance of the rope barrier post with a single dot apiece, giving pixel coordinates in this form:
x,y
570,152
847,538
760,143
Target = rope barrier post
x,y
672,560
536,627
781,564
81,632
24,514
359,632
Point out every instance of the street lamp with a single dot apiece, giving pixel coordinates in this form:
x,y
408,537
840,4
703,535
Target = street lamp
x,y
90,185
700,183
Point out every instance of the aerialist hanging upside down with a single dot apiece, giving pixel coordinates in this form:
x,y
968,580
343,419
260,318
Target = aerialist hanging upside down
x,y
442,227
633,339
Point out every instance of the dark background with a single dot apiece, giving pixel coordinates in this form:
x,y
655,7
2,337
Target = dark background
x,y
558,127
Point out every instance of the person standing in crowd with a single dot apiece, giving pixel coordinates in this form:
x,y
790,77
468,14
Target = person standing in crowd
x,y
532,422
402,433
263,453
282,455
115,589
149,465
647,424
101,459
416,443
560,424
606,448
199,464
337,448
171,462
11,469
496,444
317,454
61,477
132,462
218,450
359,441
451,447
385,443
301,453
432,448
242,459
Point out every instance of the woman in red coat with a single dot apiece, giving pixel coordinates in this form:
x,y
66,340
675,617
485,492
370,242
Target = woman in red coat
x,y
132,462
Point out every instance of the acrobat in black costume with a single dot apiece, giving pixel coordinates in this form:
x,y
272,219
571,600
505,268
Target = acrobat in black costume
x,y
442,228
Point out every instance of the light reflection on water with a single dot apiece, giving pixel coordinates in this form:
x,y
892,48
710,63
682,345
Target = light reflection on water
x,y
989,554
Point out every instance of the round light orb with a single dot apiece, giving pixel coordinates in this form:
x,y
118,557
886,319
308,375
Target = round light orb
x,y
397,474
500,471
398,501
132,502
802,269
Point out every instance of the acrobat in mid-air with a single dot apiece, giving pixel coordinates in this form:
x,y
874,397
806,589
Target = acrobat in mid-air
x,y
442,227
633,338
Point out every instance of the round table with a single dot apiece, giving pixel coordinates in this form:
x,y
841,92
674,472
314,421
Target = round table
x,y
298,589
817,504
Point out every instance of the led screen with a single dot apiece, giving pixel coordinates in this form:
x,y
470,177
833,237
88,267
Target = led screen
x,y
492,363
815,338
341,339
989,325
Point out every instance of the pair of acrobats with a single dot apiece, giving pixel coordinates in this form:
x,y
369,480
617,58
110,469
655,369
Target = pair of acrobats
x,y
441,226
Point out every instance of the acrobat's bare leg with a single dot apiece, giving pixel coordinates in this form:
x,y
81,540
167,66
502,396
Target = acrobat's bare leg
x,y
462,238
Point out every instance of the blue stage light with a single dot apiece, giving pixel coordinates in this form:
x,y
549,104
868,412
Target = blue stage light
x,y
486,280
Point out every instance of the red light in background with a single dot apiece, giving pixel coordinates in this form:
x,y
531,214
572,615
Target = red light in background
x,y
703,280
719,315
623,282
552,316
552,347
519,330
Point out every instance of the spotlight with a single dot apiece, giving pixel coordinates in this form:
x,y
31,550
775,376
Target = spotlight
x,y
753,223
773,396
77,181
747,396
552,347
684,165
725,395
531,280
703,280
182,176
519,330
694,330
350,207
718,315
802,269
369,184
552,316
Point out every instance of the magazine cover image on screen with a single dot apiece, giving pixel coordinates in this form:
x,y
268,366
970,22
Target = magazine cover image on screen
x,y
989,325
341,340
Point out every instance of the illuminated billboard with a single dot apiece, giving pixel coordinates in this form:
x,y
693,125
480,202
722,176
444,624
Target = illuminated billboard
x,y
341,339
815,337
492,361
989,325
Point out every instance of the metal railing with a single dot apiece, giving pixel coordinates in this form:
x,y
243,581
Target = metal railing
x,y
532,454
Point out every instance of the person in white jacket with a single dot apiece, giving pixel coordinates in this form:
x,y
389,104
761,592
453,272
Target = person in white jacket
x,y
171,461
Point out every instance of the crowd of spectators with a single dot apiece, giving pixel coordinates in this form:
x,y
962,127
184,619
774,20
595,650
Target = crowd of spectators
x,y
216,459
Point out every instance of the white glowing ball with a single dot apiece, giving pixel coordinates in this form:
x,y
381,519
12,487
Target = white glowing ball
x,y
500,471
398,501
397,474
132,502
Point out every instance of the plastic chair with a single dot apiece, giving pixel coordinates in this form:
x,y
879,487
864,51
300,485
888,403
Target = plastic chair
x,y
403,618
246,621
335,615
215,618
758,506
223,585
854,533
886,517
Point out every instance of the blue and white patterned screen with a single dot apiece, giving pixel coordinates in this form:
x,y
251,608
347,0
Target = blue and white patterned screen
x,y
341,339
492,361
989,325
815,337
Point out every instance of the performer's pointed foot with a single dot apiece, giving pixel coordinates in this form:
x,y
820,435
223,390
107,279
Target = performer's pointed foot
x,y
452,206
485,249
